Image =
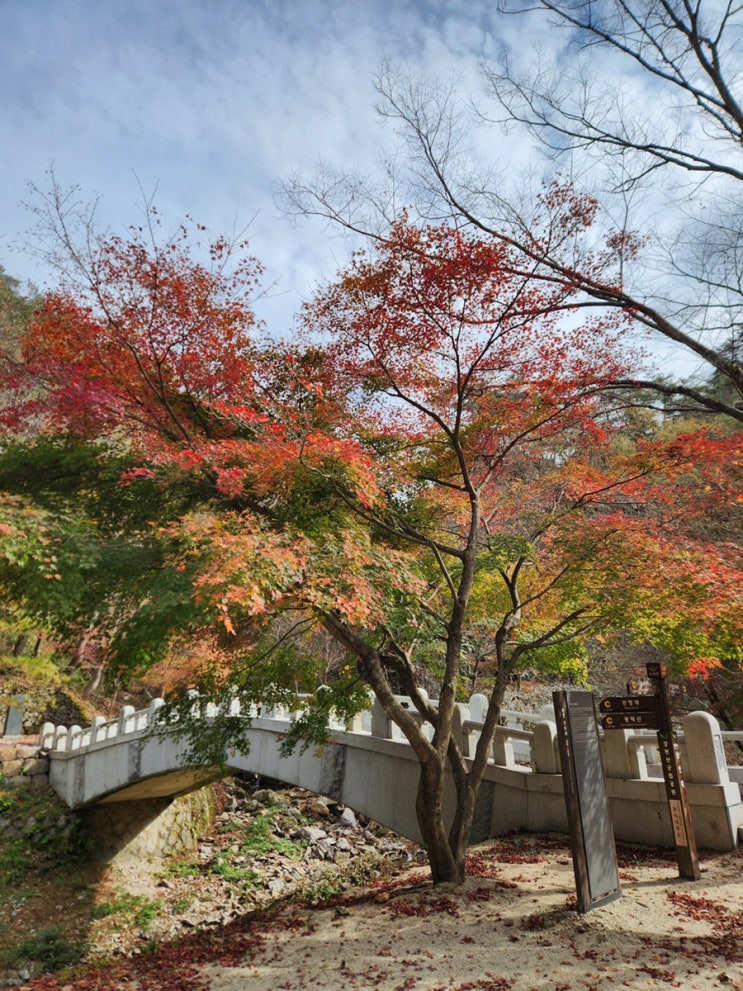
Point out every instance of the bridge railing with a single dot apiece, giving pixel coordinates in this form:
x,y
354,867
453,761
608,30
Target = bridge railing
x,y
128,721
527,741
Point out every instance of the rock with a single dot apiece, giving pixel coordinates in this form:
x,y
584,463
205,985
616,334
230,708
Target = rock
x,y
267,797
325,847
347,818
311,833
36,766
317,807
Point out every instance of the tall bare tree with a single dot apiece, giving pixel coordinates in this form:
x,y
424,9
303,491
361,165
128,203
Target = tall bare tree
x,y
640,108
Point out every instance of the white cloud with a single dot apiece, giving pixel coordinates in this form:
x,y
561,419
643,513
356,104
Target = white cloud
x,y
210,103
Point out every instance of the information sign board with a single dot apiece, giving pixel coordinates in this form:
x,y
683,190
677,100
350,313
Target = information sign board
x,y
589,819
14,716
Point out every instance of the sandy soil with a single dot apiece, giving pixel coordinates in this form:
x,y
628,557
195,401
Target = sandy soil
x,y
513,926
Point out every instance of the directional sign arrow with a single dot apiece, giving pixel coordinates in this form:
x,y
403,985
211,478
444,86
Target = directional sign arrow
x,y
629,703
630,720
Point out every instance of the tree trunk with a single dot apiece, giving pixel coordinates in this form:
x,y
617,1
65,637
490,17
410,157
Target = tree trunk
x,y
20,646
444,865
459,835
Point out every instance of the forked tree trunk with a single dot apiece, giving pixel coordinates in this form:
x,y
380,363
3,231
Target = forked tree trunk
x,y
429,809
446,846
447,849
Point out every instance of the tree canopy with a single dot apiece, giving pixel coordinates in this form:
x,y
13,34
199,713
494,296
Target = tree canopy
x,y
432,474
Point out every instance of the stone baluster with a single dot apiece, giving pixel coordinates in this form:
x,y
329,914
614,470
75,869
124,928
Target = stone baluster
x,y
75,738
46,736
705,752
384,728
479,705
127,721
503,748
194,695
545,750
61,738
356,723
638,759
616,753
96,730
153,711
469,740
461,737
381,724
478,708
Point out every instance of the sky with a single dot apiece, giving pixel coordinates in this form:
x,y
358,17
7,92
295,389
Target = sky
x,y
207,104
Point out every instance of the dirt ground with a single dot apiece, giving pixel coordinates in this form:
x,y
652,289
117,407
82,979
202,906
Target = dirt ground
x,y
513,926
353,907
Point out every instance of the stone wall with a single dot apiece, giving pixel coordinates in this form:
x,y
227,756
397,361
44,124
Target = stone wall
x,y
41,820
148,829
20,763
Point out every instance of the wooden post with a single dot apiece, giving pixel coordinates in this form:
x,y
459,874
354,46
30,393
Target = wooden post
x,y
678,800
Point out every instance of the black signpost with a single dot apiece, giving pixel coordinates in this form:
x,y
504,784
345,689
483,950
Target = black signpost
x,y
678,801
653,712
586,801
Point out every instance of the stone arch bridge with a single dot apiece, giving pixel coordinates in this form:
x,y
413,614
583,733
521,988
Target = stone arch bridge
x,y
126,763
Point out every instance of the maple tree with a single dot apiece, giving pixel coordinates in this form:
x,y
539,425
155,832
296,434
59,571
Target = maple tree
x,y
119,355
676,272
81,556
534,527
432,463
694,613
